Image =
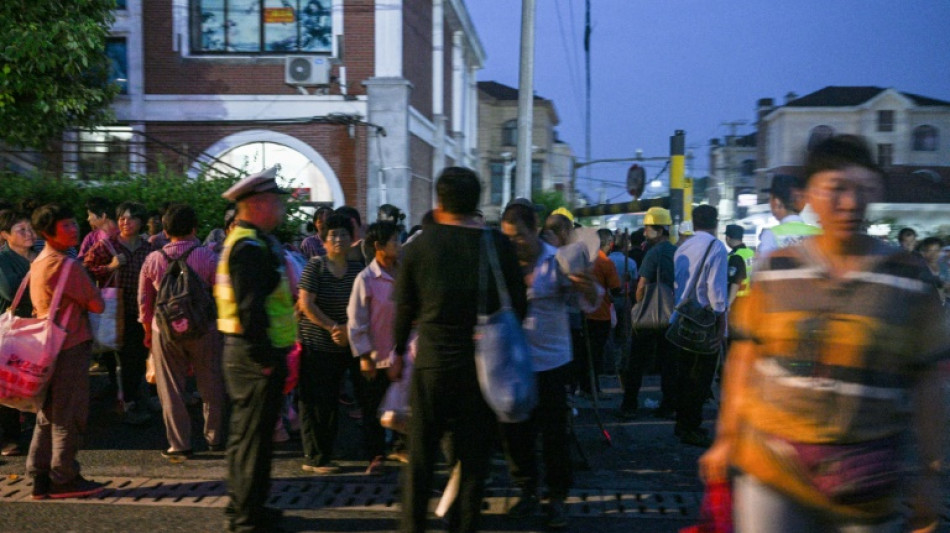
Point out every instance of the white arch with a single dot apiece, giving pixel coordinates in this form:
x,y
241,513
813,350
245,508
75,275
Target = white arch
x,y
252,136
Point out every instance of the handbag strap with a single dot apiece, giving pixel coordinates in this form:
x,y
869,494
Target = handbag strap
x,y
694,279
57,293
503,298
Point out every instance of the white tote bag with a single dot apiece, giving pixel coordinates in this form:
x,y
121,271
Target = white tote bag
x,y
28,350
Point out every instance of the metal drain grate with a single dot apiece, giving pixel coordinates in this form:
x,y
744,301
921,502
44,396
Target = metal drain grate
x,y
359,496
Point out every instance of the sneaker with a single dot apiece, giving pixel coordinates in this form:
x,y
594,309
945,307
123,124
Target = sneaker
x,y
98,368
376,466
79,487
526,506
557,514
322,470
355,414
694,437
135,415
401,456
216,448
176,456
41,483
10,449
346,399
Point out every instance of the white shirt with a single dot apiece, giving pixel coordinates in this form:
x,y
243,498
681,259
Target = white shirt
x,y
711,286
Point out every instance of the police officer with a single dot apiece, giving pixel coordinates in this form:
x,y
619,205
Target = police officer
x,y
256,316
785,200
741,259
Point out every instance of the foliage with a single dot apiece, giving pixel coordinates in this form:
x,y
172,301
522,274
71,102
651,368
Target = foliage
x,y
154,190
550,200
55,72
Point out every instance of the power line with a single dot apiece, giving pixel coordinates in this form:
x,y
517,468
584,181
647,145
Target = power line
x,y
569,59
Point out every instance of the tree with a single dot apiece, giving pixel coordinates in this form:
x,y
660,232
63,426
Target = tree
x,y
55,72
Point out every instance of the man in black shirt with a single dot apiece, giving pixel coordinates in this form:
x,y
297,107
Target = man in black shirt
x,y
437,288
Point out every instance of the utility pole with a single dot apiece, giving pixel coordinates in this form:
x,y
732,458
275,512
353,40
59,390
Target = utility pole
x,y
525,101
587,32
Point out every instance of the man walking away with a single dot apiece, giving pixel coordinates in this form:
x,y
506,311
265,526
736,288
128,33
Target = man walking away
x,y
256,316
437,287
741,259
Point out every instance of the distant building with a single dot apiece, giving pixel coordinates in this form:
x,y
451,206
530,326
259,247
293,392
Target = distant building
x,y
732,184
552,160
908,133
361,102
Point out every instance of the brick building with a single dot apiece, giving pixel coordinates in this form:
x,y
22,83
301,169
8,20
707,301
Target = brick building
x,y
386,99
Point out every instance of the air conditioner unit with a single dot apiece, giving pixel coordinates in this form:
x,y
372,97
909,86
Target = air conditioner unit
x,y
307,70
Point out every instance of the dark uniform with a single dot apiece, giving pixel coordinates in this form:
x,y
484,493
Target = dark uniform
x,y
255,314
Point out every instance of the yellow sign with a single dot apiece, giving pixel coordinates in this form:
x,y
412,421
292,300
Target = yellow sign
x,y
278,15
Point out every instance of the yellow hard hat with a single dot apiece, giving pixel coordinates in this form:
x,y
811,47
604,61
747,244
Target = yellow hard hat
x,y
563,211
657,216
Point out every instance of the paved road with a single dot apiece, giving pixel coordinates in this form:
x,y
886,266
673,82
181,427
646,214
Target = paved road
x,y
644,482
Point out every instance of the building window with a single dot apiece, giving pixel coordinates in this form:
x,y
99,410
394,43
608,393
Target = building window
x,y
117,51
747,168
925,139
261,26
509,133
885,120
885,155
818,134
103,151
537,179
120,4
497,169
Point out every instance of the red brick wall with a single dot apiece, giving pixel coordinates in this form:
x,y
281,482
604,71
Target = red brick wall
x,y
167,72
345,155
417,53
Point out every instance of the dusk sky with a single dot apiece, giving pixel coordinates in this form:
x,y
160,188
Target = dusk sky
x,y
663,65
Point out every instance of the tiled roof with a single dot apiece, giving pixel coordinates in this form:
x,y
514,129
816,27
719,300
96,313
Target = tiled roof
x,y
853,96
500,91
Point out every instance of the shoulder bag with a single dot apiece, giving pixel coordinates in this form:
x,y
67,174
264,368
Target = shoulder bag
x,y
107,327
502,356
654,310
695,327
28,350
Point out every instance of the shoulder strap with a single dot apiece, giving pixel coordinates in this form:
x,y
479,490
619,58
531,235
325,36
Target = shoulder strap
x,y
503,299
694,280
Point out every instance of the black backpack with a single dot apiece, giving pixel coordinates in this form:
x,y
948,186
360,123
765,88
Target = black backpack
x,y
184,308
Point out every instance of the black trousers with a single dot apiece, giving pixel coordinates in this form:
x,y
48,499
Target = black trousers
x,y
131,357
371,395
9,424
254,376
318,389
648,346
694,378
447,400
550,420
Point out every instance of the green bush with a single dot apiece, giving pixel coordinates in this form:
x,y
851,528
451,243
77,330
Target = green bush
x,y
153,190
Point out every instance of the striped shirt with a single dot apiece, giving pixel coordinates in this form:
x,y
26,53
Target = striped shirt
x,y
836,359
332,296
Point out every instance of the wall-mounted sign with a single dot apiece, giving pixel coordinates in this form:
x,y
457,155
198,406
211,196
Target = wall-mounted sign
x,y
279,15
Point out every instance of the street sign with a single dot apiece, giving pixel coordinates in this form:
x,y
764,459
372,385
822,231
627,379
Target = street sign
x,y
636,180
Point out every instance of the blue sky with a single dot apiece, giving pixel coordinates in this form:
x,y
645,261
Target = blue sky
x,y
663,65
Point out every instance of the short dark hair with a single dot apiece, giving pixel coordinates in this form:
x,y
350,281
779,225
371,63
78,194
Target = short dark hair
x,y
837,153
135,209
45,218
458,190
605,236
100,207
319,211
705,217
516,213
338,221
179,220
904,233
662,230
928,242
10,218
380,232
351,212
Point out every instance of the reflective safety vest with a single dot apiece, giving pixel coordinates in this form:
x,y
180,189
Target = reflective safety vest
x,y
279,305
748,256
789,233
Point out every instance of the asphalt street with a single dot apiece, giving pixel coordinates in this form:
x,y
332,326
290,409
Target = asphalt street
x,y
643,480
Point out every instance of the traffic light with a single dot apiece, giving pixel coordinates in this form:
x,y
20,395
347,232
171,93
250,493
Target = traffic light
x,y
636,180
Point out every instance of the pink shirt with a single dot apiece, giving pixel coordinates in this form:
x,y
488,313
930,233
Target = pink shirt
x,y
370,314
90,240
78,294
202,260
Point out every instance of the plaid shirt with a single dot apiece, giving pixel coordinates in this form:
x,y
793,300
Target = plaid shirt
x,y
126,277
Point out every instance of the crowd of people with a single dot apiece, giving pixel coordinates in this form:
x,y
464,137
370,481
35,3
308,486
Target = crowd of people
x,y
828,333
